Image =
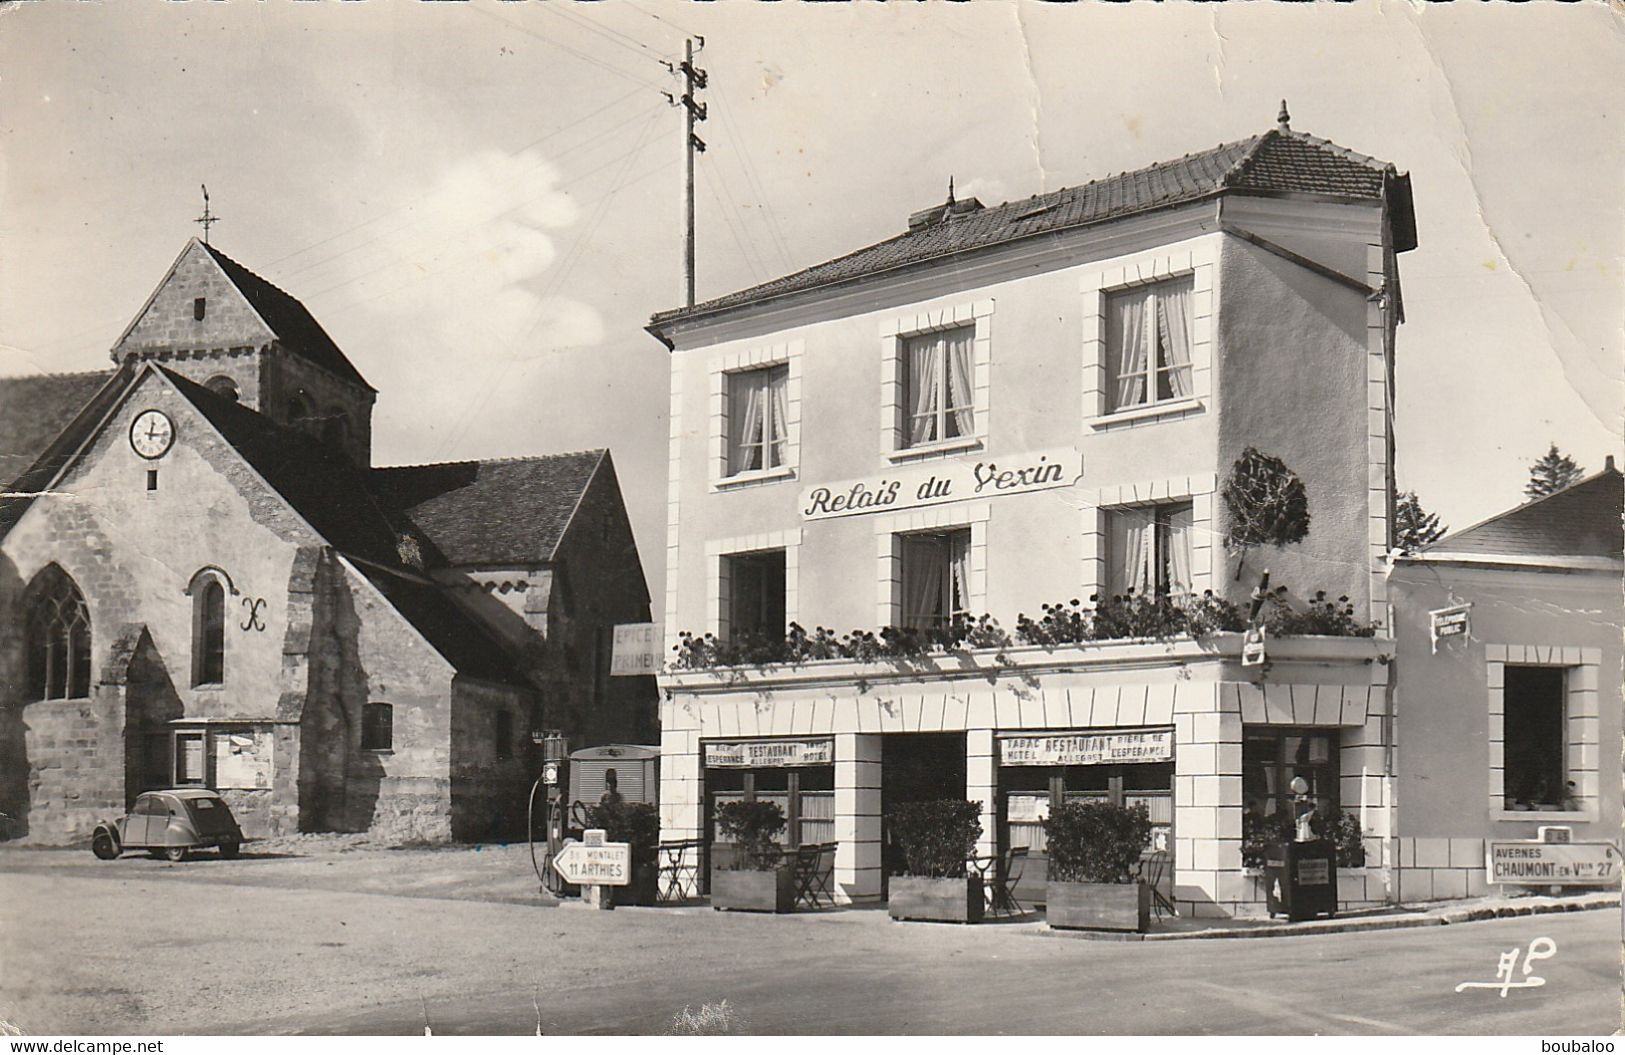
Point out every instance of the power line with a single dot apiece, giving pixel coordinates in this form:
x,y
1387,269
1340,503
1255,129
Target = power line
x,y
613,36
566,48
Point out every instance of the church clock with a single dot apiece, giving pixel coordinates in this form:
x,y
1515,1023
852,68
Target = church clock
x,y
151,434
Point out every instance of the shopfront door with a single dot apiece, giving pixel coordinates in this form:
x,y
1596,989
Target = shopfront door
x,y
915,767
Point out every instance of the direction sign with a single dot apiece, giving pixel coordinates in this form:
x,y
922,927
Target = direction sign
x,y
1528,863
606,865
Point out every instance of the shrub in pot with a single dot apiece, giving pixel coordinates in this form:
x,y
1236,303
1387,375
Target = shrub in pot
x,y
756,877
638,825
937,839
1093,849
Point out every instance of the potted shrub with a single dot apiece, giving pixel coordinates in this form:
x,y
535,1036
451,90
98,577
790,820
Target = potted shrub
x,y
1093,849
756,877
638,825
937,839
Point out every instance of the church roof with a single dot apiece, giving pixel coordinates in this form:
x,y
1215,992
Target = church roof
x,y
295,327
1582,520
507,511
1276,162
35,410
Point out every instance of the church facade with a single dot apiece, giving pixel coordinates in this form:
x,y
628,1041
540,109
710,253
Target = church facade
x,y
205,582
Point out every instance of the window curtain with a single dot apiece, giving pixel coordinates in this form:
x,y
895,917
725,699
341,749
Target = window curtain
x,y
1129,319
1179,550
745,414
925,388
1174,328
958,600
779,392
925,567
1129,551
963,417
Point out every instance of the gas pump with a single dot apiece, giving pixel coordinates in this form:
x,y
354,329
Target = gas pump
x,y
552,784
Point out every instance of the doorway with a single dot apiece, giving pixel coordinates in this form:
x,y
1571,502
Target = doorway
x,y
915,767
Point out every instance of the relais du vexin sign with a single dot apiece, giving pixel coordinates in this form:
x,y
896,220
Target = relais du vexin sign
x,y
942,482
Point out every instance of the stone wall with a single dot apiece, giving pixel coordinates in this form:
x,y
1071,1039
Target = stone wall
x,y
488,790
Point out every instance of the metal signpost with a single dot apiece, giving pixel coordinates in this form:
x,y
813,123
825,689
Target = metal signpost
x,y
1523,862
595,866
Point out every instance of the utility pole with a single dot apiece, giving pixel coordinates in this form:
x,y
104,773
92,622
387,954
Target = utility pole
x,y
694,80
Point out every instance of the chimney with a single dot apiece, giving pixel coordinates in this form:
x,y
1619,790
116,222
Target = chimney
x,y
1608,464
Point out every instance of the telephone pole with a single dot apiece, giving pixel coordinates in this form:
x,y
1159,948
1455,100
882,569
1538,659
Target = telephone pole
x,y
694,80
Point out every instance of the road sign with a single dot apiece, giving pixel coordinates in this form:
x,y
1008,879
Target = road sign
x,y
1527,863
606,865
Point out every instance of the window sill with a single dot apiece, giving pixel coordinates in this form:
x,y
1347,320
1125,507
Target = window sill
x,y
210,686
1543,815
755,476
1152,410
379,750
926,450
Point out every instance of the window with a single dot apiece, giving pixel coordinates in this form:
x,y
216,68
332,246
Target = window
x,y
1271,758
756,588
758,411
502,734
58,635
200,306
1149,549
336,429
938,400
190,760
300,408
221,385
377,727
1536,774
936,577
1148,344
209,634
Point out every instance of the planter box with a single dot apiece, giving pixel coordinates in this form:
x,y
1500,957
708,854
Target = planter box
x,y
941,900
1098,906
644,888
751,890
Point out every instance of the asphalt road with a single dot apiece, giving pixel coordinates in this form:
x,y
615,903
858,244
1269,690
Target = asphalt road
x,y
144,947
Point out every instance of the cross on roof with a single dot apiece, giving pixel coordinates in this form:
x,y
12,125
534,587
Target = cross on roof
x,y
208,219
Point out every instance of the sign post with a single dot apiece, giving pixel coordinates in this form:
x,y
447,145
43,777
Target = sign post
x,y
595,866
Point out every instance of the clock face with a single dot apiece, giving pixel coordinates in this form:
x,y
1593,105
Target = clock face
x,y
152,433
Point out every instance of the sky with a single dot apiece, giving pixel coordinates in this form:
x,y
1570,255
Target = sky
x,y
481,199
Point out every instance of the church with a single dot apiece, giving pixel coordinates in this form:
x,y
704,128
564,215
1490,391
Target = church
x,y
204,581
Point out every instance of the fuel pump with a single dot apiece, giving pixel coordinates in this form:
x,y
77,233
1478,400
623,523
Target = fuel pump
x,y
552,785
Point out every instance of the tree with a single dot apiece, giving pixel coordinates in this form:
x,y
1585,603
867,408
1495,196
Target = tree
x,y
1268,504
1415,527
1553,472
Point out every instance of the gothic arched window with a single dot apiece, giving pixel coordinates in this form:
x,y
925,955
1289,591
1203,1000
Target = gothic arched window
x,y
58,635
221,385
209,634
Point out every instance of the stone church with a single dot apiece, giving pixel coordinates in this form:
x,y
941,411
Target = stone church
x,y
204,581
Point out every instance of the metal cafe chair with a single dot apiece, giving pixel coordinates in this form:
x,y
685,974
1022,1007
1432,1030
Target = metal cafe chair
x,y
1000,873
679,869
1153,866
814,868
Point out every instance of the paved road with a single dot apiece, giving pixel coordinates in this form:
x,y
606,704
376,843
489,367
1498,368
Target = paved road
x,y
140,946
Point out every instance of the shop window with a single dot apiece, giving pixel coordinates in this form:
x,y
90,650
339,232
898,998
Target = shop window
x,y
1148,344
209,634
938,387
936,577
1148,549
756,594
1536,775
502,734
58,637
1029,792
804,794
377,727
1271,758
758,416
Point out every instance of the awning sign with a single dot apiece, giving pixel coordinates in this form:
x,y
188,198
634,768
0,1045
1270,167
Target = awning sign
x,y
940,482
1454,621
636,650
1087,749
1527,863
770,754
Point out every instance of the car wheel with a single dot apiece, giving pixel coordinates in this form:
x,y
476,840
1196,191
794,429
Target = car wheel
x,y
175,853
229,850
103,846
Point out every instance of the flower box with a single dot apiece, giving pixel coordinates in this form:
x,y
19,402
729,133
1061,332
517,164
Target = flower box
x,y
1098,906
956,900
754,890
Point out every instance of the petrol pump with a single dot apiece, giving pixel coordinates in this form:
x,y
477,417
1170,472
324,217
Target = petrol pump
x,y
552,785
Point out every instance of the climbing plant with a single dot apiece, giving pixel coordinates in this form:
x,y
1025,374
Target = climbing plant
x,y
1267,503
